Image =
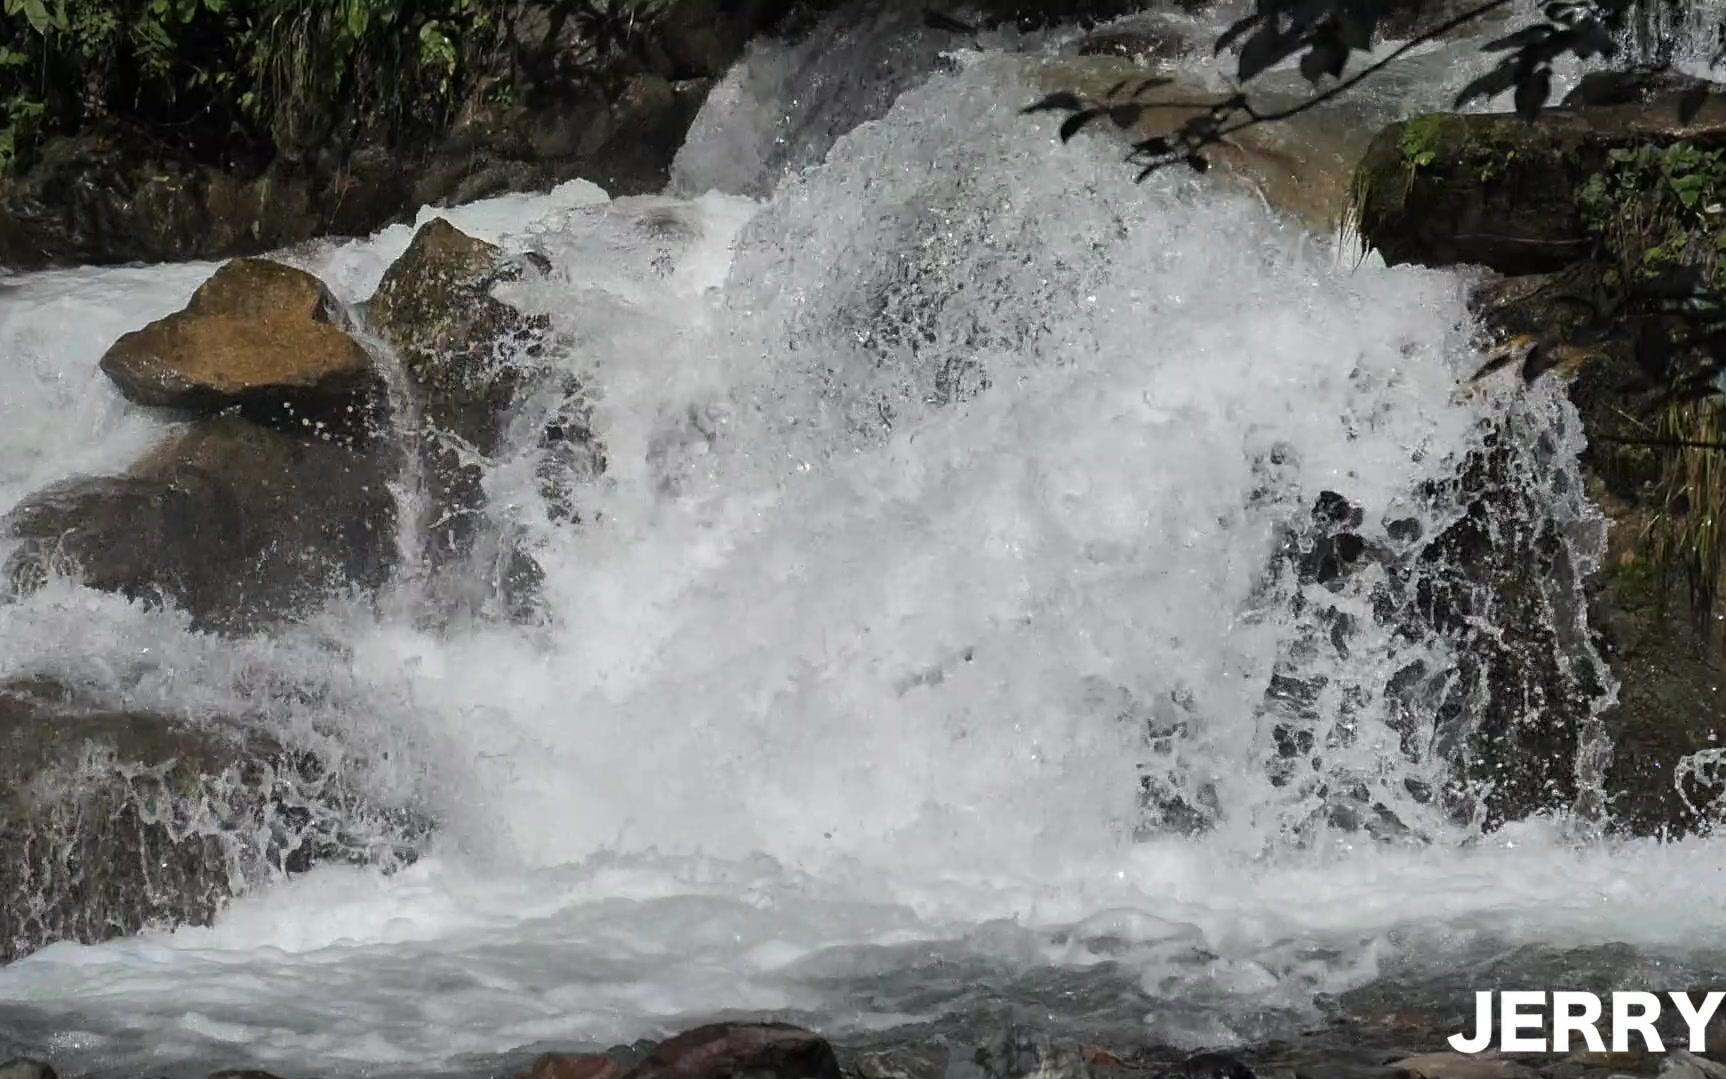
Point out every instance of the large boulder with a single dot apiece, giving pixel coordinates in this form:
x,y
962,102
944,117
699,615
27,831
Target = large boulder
x,y
1502,192
469,359
240,525
112,820
260,337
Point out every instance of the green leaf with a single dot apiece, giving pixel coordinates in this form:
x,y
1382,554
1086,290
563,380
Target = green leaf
x,y
359,14
37,13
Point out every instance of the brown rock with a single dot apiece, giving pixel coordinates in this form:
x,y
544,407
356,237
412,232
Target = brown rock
x,y
725,1050
112,820
258,336
469,357
1458,1066
235,523
1140,43
574,1066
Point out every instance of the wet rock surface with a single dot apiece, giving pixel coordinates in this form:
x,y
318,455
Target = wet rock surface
x,y
260,337
235,523
114,820
1609,312
470,359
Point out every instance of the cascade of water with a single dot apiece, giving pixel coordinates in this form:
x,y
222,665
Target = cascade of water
x,y
995,559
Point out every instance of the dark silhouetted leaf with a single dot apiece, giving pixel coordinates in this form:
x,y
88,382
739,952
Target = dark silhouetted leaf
x,y
1589,39
1532,91
1076,123
1125,115
1354,28
1233,33
1154,147
1537,34
1491,84
1692,101
936,20
1260,51
1057,102
1197,163
1324,58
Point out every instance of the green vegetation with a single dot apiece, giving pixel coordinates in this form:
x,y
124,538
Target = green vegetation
x,y
1419,142
231,81
1688,531
1658,210
1658,214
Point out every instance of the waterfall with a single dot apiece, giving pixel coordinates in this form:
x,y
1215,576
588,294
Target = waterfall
x,y
1005,578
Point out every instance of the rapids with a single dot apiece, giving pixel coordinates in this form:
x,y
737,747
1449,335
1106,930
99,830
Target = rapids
x,y
910,668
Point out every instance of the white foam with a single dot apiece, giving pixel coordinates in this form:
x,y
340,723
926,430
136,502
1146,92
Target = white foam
x,y
850,666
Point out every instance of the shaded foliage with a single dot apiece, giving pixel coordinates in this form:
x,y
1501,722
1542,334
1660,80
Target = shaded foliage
x,y
1321,37
237,81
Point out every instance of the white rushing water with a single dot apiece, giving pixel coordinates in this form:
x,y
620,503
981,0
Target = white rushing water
x,y
945,478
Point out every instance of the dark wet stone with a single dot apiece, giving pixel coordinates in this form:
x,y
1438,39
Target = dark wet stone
x,y
470,359
113,820
725,1050
237,524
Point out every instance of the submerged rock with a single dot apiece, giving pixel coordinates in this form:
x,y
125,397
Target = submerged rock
x,y
112,820
1458,1066
24,1068
574,1066
724,1050
237,524
257,336
1299,167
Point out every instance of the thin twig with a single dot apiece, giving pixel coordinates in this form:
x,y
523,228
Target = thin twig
x,y
1664,443
1361,76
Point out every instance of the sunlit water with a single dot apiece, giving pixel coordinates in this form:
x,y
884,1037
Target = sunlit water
x,y
946,476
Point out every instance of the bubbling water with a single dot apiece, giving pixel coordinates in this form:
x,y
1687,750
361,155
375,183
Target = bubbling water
x,y
926,600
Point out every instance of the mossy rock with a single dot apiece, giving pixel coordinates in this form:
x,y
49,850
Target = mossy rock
x,y
1499,191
